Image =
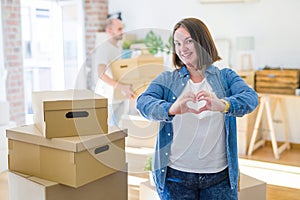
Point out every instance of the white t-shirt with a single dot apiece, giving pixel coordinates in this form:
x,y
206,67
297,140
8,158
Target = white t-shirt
x,y
105,53
199,139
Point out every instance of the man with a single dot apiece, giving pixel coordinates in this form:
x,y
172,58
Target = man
x,y
105,54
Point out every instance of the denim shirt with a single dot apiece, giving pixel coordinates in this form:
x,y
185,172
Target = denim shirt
x,y
163,91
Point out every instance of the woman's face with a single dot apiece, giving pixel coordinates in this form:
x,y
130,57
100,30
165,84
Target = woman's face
x,y
184,47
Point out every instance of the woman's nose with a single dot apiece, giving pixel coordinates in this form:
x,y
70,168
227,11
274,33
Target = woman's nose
x,y
184,47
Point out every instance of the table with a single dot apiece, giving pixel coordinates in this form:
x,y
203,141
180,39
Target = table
x,y
269,108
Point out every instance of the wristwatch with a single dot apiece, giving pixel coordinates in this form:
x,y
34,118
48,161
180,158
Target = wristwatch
x,y
227,105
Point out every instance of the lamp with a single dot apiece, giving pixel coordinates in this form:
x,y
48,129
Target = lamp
x,y
245,45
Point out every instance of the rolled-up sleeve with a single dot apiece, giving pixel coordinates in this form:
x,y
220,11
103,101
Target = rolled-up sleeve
x,y
153,104
243,99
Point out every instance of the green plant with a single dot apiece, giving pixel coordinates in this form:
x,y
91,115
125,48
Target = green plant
x,y
126,44
148,165
168,45
154,43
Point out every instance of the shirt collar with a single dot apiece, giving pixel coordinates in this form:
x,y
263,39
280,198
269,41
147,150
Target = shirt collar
x,y
183,70
211,70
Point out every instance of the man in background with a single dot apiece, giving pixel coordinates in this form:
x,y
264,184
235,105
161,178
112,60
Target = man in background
x,y
103,82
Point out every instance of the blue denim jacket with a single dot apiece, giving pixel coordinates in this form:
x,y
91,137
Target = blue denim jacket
x,y
163,91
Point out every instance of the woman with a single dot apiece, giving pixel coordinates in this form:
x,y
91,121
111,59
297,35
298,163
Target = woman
x,y
196,105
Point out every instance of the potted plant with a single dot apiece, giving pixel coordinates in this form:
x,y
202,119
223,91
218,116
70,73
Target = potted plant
x,y
156,46
168,56
154,43
168,46
126,52
148,167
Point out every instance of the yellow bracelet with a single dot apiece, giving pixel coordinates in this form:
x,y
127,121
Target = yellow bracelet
x,y
227,105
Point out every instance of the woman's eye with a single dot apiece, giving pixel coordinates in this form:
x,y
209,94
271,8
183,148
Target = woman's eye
x,y
189,41
176,43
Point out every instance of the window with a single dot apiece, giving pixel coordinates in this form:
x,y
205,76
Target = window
x,y
52,36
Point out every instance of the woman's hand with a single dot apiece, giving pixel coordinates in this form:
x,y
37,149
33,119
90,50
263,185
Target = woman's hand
x,y
213,103
180,105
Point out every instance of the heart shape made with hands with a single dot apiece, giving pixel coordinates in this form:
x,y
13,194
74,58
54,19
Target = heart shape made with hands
x,y
197,105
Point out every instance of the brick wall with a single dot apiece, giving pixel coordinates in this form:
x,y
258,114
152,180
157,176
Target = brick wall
x,y
95,15
12,48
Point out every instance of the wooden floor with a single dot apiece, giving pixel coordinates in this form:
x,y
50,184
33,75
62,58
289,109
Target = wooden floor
x,y
290,157
282,193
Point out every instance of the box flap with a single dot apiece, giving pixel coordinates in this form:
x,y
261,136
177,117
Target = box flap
x,y
68,99
75,104
30,134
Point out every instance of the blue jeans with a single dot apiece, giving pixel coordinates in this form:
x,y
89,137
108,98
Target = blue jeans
x,y
184,185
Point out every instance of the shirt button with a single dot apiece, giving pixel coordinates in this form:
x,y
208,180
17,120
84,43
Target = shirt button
x,y
182,84
162,170
169,134
174,97
167,154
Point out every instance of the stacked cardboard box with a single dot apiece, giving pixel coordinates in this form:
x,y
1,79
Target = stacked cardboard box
x,y
245,127
140,141
27,187
74,158
141,132
69,113
138,72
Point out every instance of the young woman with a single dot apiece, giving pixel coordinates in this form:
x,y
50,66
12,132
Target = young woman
x,y
196,105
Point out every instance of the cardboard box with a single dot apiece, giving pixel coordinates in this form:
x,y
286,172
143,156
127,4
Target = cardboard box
x,y
248,76
250,188
148,192
137,157
138,72
245,127
69,113
73,161
141,132
26,187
